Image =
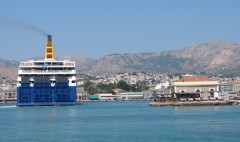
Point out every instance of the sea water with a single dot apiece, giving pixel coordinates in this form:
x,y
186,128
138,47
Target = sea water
x,y
120,122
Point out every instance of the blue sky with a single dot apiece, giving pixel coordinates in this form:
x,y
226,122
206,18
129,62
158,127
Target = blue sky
x,y
94,28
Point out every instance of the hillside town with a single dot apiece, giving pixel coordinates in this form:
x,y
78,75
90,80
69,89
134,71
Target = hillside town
x,y
143,86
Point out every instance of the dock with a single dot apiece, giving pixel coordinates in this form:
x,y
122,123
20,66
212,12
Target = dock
x,y
196,103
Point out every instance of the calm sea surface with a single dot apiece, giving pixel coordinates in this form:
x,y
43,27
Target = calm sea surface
x,y
120,122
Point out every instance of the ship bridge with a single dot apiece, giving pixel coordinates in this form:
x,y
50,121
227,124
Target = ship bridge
x,y
32,67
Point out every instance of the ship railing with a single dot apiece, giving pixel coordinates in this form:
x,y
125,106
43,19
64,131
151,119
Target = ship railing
x,y
49,66
47,71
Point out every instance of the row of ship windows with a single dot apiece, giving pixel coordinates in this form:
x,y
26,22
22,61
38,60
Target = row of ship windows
x,y
73,81
47,64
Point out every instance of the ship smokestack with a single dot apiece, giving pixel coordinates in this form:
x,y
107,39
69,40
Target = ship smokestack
x,y
49,52
49,38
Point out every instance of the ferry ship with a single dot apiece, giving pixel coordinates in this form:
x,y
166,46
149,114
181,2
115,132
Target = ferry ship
x,y
46,82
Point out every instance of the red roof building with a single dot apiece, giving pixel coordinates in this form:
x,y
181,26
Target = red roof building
x,y
194,79
200,84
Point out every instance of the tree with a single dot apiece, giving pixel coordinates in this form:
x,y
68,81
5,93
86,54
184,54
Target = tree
x,y
123,85
106,88
111,86
203,73
91,88
133,88
170,75
141,86
143,72
134,73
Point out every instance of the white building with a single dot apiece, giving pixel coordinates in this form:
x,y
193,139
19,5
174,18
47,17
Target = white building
x,y
132,96
108,97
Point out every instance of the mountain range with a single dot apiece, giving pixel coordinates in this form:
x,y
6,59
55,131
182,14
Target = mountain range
x,y
215,57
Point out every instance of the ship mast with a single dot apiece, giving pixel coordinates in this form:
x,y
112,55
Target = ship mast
x,y
49,51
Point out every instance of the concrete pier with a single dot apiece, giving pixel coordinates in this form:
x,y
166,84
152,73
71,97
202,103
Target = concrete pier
x,y
196,103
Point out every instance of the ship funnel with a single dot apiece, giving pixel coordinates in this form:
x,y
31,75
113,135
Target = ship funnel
x,y
49,52
49,38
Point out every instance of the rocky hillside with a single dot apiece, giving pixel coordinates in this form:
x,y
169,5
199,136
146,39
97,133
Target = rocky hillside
x,y
221,56
116,63
8,68
83,64
216,57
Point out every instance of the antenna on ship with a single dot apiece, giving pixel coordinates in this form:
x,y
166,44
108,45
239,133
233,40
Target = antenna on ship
x,y
49,51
